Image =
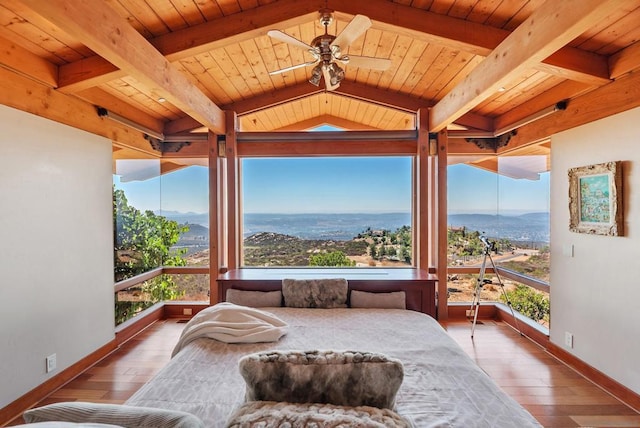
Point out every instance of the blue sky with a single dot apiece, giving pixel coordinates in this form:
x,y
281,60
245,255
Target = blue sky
x,y
337,185
327,185
475,191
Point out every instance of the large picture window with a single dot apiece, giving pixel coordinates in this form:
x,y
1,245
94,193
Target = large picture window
x,y
503,201
325,211
161,219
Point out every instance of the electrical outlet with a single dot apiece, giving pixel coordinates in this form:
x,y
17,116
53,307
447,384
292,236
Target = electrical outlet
x,y
568,339
470,312
51,363
187,311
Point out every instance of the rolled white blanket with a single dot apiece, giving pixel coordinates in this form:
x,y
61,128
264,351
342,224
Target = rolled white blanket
x,y
231,323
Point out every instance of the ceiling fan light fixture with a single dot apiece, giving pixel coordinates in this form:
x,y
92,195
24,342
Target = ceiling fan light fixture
x,y
316,75
336,74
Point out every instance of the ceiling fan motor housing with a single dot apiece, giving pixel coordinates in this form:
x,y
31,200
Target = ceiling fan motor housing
x,y
323,46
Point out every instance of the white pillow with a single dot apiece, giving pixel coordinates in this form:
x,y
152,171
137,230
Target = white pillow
x,y
114,414
255,299
393,300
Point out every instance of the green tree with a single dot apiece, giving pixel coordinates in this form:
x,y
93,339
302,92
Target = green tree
x,y
529,302
334,258
373,251
143,241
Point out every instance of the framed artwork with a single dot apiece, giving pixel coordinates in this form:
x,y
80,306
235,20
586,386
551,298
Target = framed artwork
x,y
595,199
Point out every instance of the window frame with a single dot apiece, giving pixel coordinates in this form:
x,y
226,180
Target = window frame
x,y
412,207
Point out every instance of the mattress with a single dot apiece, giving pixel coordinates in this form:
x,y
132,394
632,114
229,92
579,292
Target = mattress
x,y
442,386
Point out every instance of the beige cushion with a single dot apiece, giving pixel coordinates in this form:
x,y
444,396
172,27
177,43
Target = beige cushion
x,y
255,299
364,299
315,293
114,414
317,415
346,378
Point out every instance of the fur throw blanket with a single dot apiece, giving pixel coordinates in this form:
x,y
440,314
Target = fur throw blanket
x,y
269,414
346,378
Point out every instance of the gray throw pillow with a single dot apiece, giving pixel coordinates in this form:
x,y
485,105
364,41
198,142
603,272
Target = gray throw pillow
x,y
364,299
278,414
348,378
315,293
255,299
114,414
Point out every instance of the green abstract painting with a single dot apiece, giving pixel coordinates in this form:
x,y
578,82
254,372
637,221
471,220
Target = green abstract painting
x,y
595,200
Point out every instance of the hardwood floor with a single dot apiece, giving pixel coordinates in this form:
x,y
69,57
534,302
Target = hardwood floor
x,y
552,392
555,394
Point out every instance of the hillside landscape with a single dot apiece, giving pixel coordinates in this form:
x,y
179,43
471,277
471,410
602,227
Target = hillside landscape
x,y
392,248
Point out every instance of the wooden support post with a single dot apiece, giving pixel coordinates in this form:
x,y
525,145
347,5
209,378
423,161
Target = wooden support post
x,y
214,217
421,187
232,193
442,232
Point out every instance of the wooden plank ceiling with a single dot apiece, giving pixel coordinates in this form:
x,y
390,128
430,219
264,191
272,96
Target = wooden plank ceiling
x,y
175,65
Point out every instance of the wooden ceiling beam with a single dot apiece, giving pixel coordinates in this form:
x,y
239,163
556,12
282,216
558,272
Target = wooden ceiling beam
x,y
105,32
625,61
563,91
475,38
547,30
395,100
26,63
327,148
197,39
102,98
327,119
271,99
456,33
250,105
184,124
407,103
22,93
621,95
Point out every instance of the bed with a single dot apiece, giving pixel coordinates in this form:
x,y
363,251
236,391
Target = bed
x,y
442,386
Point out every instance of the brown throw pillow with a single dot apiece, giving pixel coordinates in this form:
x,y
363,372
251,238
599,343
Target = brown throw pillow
x,y
315,293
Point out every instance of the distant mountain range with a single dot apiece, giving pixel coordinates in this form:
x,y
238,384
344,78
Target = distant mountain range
x,y
530,227
188,217
525,227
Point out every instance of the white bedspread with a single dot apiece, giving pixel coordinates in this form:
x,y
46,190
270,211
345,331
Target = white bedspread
x,y
442,386
231,323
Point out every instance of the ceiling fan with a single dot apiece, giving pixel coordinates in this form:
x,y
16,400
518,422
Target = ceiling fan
x,y
327,49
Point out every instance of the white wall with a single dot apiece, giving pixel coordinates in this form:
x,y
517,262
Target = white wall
x,y
56,259
596,294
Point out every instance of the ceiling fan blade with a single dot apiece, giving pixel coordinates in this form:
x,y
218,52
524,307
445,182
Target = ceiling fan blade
x,y
293,67
327,80
284,37
368,62
354,29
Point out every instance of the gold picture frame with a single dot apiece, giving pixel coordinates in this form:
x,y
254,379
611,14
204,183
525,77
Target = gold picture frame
x,y
595,199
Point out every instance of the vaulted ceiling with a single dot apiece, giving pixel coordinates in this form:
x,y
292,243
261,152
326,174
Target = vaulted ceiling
x,y
176,65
